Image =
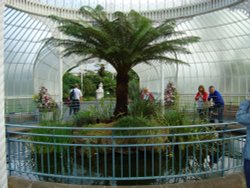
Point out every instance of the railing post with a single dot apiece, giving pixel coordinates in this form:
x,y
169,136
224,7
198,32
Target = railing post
x,y
113,159
8,150
223,151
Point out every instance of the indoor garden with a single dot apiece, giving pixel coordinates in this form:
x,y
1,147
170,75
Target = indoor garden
x,y
115,93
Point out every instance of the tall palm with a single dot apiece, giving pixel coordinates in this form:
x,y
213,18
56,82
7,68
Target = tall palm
x,y
125,41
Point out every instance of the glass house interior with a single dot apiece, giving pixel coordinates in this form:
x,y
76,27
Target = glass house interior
x,y
221,58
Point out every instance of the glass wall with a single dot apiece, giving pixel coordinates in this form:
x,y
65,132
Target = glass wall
x,y
221,58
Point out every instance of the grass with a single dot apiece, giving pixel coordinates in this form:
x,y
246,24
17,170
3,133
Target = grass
x,y
50,138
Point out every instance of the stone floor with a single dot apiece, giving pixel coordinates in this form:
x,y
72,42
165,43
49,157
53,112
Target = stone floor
x,y
231,181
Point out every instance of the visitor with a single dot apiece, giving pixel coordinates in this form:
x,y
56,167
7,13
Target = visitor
x,y
76,96
243,117
218,105
202,99
147,95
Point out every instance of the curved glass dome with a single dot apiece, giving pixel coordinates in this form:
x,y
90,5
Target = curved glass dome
x,y
122,5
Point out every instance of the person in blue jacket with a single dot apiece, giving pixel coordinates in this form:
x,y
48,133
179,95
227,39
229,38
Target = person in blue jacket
x,y
243,117
218,102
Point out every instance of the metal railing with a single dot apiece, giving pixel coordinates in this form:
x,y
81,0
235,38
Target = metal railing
x,y
30,114
112,156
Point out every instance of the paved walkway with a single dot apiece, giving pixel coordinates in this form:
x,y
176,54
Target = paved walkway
x,y
231,181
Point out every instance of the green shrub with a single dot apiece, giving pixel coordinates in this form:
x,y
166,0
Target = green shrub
x,y
133,90
104,111
101,113
84,118
144,108
172,117
51,139
177,118
132,121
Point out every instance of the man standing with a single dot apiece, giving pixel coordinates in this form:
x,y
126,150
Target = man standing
x,y
218,101
76,96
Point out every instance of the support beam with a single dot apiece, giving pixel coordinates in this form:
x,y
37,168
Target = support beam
x,y
162,87
61,77
3,169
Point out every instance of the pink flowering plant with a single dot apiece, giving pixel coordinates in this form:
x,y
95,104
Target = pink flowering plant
x,y
44,101
170,95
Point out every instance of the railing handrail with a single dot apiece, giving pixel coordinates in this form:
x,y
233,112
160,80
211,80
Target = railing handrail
x,y
127,145
124,137
189,155
122,128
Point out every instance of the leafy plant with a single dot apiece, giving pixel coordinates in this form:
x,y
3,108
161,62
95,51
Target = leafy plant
x,y
144,108
133,90
124,41
131,122
84,118
172,117
177,118
102,112
49,136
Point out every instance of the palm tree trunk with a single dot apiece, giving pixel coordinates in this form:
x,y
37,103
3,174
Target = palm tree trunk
x,y
122,80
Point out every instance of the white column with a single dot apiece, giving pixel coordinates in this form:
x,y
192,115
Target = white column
x,y
61,78
3,169
162,84
177,70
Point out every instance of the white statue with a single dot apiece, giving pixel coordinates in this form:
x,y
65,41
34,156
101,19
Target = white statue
x,y
100,92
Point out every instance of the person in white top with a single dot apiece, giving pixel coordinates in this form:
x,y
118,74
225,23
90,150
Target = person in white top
x,y
76,96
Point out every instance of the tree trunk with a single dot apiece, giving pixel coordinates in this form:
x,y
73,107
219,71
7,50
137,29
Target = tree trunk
x,y
122,80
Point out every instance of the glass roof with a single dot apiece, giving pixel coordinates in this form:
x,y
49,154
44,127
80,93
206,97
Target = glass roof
x,y
122,5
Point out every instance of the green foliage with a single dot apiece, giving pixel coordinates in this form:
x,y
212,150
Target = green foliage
x,y
133,86
133,90
177,118
101,71
89,87
172,118
103,112
132,121
91,80
109,83
69,80
124,41
52,138
144,108
84,118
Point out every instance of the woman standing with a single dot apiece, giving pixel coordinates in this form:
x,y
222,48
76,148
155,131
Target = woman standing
x,y
201,98
243,117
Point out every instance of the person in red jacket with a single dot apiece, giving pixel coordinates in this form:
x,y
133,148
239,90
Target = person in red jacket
x,y
147,95
201,98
